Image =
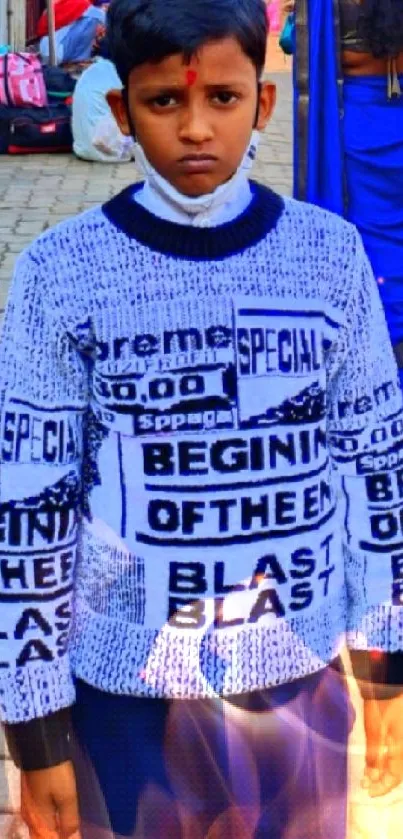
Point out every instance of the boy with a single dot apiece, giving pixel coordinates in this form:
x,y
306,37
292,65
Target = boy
x,y
201,435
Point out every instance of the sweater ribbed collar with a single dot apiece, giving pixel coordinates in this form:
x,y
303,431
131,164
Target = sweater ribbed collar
x,y
186,242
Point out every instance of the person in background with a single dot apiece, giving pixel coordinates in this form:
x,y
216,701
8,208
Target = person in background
x,y
348,137
96,135
194,378
286,8
78,23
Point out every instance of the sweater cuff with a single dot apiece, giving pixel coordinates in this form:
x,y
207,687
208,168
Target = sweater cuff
x,y
40,743
379,675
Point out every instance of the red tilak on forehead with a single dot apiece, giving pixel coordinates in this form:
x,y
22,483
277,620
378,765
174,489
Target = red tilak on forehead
x,y
191,76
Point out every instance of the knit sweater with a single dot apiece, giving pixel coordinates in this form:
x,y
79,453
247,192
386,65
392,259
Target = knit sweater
x,y
200,437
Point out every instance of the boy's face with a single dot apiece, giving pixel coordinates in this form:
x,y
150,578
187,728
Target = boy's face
x,y
194,121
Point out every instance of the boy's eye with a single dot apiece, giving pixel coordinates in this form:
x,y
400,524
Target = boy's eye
x,y
164,100
225,97
169,100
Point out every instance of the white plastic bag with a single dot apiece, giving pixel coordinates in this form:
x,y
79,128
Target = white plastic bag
x,y
109,140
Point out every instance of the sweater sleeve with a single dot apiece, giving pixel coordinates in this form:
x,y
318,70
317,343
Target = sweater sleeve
x,y
365,425
43,397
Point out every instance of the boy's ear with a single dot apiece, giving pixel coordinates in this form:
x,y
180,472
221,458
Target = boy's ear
x,y
267,103
117,105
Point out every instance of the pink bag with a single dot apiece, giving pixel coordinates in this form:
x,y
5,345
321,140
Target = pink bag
x,y
21,81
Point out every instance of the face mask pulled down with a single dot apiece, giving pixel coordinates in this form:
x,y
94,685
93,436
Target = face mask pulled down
x,y
202,210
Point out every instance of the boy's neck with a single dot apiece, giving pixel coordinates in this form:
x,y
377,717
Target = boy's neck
x,y
222,205
228,207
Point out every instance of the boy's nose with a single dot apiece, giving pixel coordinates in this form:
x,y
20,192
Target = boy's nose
x,y
195,127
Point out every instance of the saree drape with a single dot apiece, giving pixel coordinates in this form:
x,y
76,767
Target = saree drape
x,y
348,150
318,104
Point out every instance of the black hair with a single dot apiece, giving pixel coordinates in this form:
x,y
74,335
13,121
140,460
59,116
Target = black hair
x,y
101,48
141,31
380,25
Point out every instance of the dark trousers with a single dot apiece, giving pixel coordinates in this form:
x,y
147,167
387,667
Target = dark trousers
x,y
267,765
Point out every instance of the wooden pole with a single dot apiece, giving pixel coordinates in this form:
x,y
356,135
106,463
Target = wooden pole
x,y
51,31
17,24
3,23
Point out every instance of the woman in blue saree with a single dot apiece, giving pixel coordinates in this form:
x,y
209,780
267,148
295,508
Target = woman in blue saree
x,y
348,82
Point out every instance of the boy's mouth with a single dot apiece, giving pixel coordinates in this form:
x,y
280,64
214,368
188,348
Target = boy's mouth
x,y
197,163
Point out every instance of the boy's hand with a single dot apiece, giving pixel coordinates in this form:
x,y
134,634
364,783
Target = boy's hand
x,y
383,721
49,803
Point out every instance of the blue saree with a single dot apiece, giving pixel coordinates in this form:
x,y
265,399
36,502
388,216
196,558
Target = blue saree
x,y
349,150
318,151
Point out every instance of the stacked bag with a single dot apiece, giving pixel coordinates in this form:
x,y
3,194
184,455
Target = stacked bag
x,y
35,106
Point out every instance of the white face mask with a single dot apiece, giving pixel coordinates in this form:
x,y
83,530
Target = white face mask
x,y
204,203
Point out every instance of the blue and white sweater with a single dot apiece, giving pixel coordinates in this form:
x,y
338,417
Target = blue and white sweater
x,y
201,437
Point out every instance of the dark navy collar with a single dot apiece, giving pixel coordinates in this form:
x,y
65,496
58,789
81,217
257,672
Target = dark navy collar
x,y
196,243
